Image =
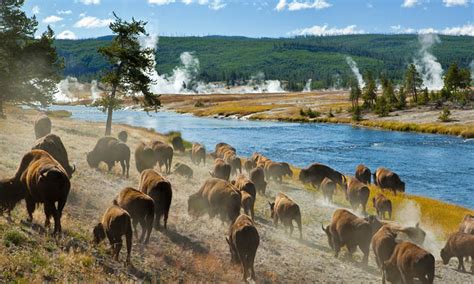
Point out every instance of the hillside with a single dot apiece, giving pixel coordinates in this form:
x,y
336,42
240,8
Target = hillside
x,y
290,59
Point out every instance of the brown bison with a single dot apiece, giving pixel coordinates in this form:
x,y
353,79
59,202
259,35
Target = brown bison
x,y
40,179
163,154
385,178
109,150
159,189
382,204
467,224
144,157
141,208
115,223
257,176
277,171
198,154
52,144
183,170
178,144
243,240
357,193
243,184
286,210
459,245
413,234
328,187
363,174
123,136
221,169
221,148
315,174
346,229
249,165
383,244
409,261
216,197
42,126
234,162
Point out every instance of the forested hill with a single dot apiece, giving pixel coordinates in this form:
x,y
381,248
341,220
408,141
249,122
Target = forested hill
x,y
323,59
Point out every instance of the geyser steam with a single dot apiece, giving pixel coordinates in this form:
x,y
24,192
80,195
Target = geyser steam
x,y
356,72
427,64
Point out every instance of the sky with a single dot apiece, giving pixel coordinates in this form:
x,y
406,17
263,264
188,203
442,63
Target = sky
x,y
77,19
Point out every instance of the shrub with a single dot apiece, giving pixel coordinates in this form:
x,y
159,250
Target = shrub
x,y
310,113
199,104
357,114
382,108
445,115
14,237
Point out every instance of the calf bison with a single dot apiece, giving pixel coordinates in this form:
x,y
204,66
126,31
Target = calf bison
x,y
363,174
243,184
216,197
183,170
243,240
141,208
328,187
384,178
178,144
42,126
459,245
109,150
144,157
221,169
382,204
383,244
115,223
409,261
52,144
163,154
159,189
198,154
467,224
286,210
257,176
357,193
315,174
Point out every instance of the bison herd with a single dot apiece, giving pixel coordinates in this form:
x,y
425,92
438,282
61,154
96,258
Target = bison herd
x,y
44,174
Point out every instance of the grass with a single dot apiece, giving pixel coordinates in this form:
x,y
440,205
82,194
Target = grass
x,y
59,113
14,237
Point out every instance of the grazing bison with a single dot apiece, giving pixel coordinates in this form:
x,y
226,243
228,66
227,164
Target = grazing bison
x,y
357,193
328,187
257,176
382,204
286,210
141,208
115,223
183,170
123,136
198,154
109,150
409,261
243,240
159,189
459,245
385,178
221,169
41,179
42,126
144,157
467,224
178,144
243,184
216,197
346,229
315,174
383,244
363,174
249,165
52,144
163,154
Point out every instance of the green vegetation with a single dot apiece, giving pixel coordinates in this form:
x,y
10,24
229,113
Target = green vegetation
x,y
309,113
445,115
14,237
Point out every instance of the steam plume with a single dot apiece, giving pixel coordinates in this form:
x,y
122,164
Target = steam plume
x,y
427,64
356,72
307,87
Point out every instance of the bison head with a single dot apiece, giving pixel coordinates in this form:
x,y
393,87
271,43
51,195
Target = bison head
x,y
233,251
99,233
328,234
445,256
272,208
374,222
303,177
196,205
92,160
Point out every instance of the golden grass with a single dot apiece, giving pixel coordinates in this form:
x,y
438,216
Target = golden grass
x,y
226,109
59,113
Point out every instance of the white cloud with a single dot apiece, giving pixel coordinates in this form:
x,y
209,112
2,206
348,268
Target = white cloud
x,y
92,22
410,3
466,30
66,35
64,12
325,31
90,2
212,4
52,19
452,3
297,5
35,10
161,2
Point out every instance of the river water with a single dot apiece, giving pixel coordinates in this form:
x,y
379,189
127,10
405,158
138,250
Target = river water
x,y
437,166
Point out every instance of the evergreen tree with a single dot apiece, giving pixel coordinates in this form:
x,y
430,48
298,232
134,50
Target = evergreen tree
x,y
413,82
389,93
355,94
382,107
402,98
370,91
457,79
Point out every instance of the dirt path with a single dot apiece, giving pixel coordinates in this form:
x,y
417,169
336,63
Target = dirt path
x,y
191,249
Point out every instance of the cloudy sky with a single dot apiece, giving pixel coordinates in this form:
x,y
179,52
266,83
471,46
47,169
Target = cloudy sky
x,y
75,19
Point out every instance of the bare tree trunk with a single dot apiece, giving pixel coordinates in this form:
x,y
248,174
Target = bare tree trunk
x,y
110,110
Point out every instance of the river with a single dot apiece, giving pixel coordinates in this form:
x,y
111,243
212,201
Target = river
x,y
437,166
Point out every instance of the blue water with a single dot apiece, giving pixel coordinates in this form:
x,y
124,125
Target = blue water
x,y
438,166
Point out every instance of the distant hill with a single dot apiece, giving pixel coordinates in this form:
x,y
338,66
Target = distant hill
x,y
290,59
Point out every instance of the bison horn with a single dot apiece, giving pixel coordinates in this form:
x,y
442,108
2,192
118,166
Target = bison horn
x,y
322,227
73,169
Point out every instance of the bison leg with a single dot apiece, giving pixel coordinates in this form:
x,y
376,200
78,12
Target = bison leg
x,y
157,220
30,207
290,223
48,212
337,246
128,239
110,166
122,164
461,264
365,249
117,248
134,224
144,227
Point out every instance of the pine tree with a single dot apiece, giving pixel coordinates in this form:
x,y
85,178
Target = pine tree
x,y
370,91
354,95
413,82
402,98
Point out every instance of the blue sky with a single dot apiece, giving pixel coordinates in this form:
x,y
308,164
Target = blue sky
x,y
253,18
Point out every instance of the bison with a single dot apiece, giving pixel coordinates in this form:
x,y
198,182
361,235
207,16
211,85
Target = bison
x,y
363,174
257,176
42,126
109,150
385,178
159,189
382,204
409,261
178,144
198,154
216,197
383,244
183,170
357,193
163,154
221,169
115,223
277,171
286,210
52,144
459,245
144,157
249,165
234,162
141,208
243,240
315,174
123,136
243,184
328,187
467,224
221,148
